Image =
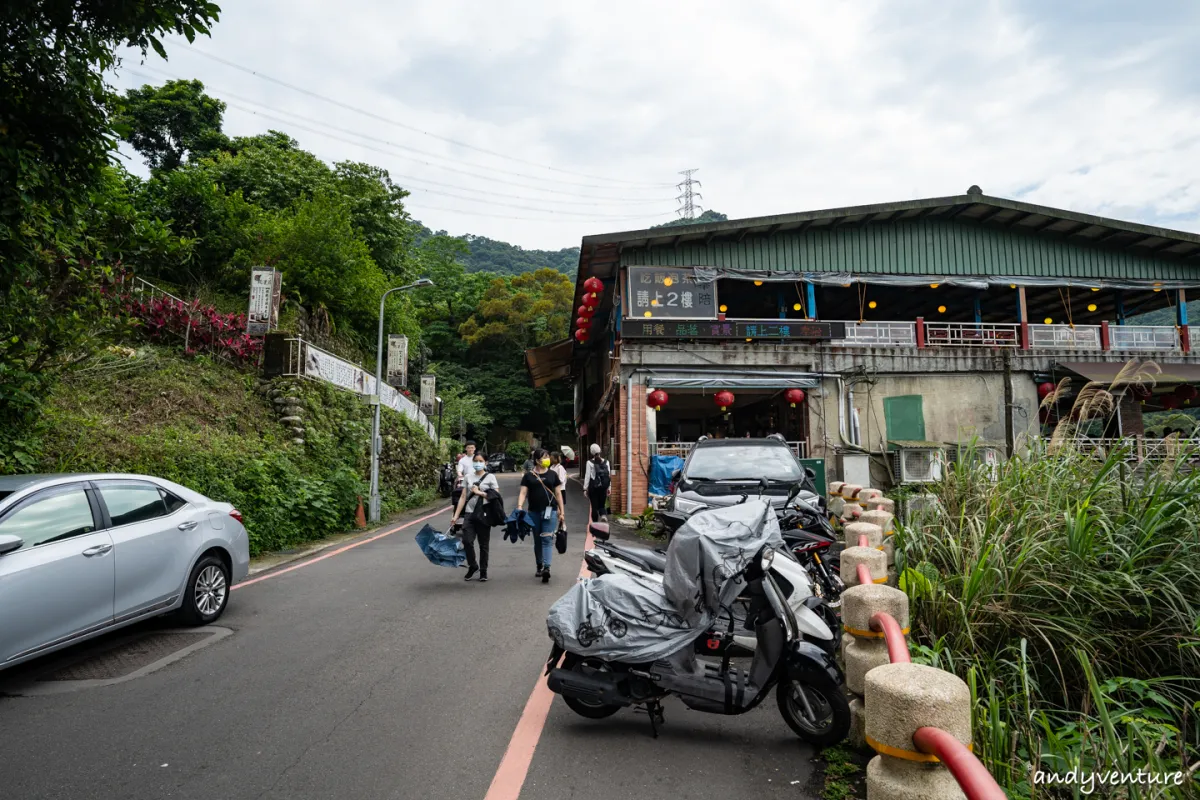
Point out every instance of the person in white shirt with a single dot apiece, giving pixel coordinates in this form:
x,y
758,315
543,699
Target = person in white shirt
x,y
464,463
475,489
597,482
556,464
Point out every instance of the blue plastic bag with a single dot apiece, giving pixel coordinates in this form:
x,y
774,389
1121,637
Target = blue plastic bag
x,y
661,469
441,548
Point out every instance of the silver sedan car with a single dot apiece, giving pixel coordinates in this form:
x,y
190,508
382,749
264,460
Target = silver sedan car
x,y
81,555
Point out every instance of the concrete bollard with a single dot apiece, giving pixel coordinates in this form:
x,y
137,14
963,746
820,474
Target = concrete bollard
x,y
882,504
899,699
837,503
864,649
868,496
874,559
887,522
854,530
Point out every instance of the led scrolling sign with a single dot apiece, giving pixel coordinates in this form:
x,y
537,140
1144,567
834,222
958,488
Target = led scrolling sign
x,y
669,303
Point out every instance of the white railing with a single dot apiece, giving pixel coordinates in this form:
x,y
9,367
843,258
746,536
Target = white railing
x,y
683,448
880,334
1143,337
1139,448
306,360
1080,337
972,334
147,292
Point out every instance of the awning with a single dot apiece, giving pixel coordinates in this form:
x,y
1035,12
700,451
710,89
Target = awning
x,y
549,362
1106,372
732,379
979,282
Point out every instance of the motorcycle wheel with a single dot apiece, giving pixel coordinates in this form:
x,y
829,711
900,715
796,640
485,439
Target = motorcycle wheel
x,y
581,707
831,711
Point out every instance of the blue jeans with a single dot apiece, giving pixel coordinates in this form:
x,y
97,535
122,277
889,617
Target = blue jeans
x,y
543,545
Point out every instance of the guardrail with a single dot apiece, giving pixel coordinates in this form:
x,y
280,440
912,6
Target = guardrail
x,y
972,334
1065,337
880,334
306,360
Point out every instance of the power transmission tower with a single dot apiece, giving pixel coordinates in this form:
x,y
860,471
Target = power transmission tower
x,y
688,195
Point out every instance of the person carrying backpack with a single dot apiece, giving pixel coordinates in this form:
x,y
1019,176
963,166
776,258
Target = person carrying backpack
x,y
475,525
597,482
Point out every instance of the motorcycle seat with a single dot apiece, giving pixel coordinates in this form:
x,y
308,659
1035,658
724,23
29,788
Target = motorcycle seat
x,y
599,530
642,556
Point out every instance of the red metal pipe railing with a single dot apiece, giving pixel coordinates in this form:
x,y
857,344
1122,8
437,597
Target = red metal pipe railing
x,y
864,575
893,635
973,778
863,541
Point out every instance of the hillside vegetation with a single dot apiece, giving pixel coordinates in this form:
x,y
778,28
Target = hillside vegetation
x,y
501,258
211,427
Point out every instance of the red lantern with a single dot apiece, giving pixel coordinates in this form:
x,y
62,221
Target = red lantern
x,y
581,336
583,322
1141,393
593,285
657,399
1169,401
586,311
1044,415
794,397
1044,390
724,399
1186,393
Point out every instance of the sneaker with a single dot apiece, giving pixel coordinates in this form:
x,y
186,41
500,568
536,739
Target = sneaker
x,y
538,574
546,575
483,577
471,573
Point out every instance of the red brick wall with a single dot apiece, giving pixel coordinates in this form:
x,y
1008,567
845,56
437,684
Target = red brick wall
x,y
639,457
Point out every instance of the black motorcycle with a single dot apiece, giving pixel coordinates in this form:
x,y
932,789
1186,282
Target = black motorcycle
x,y
812,539
446,480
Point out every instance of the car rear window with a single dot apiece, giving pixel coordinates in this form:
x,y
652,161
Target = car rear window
x,y
4,495
743,462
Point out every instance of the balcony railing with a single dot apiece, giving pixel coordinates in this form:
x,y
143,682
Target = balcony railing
x,y
881,334
1139,448
1080,337
1161,338
972,334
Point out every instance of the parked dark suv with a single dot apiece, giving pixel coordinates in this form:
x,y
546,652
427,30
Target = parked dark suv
x,y
501,462
719,471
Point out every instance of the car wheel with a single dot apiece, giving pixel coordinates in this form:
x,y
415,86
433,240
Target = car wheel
x,y
206,593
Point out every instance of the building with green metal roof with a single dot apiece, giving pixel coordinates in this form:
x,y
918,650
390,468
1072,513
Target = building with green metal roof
x,y
933,320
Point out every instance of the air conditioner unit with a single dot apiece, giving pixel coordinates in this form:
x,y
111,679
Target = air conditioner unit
x,y
987,456
917,462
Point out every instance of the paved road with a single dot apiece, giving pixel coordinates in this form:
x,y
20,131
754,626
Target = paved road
x,y
373,674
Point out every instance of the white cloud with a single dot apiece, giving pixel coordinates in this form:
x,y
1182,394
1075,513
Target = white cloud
x,y
784,106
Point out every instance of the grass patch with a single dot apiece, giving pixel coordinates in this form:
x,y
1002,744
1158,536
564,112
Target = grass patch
x,y
843,773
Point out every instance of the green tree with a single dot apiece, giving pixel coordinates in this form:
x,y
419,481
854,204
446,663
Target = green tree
x,y
377,208
526,311
165,123
707,216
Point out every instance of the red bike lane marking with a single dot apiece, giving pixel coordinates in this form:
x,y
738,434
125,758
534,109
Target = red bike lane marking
x,y
338,551
514,766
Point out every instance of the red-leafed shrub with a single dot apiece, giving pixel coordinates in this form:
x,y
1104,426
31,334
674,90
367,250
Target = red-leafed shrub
x,y
210,330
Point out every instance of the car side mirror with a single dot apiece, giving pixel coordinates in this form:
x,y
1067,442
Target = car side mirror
x,y
676,475
9,543
812,475
793,492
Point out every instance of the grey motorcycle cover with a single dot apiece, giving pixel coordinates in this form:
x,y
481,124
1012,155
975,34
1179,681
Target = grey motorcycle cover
x,y
620,617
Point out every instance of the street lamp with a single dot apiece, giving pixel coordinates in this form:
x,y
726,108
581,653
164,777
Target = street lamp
x,y
376,444
441,408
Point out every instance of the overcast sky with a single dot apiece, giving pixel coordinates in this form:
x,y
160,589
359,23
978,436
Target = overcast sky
x,y
593,108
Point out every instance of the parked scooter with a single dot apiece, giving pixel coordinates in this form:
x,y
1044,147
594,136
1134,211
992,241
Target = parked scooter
x,y
811,538
632,641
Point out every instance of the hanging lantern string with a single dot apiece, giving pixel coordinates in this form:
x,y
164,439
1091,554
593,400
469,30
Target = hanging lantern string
x,y
862,303
1065,297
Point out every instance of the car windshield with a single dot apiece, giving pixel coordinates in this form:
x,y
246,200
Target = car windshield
x,y
743,462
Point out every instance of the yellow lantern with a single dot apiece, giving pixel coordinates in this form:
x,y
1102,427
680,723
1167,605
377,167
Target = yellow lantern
x,y
724,309
941,309
758,283
1048,321
933,286
796,307
668,282
1094,289
1012,286
647,314
872,304
749,340
1091,306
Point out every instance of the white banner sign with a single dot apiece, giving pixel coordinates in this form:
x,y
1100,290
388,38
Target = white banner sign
x,y
428,392
397,369
263,316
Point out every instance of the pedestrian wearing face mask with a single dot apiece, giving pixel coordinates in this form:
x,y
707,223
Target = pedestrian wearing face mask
x,y
543,490
475,489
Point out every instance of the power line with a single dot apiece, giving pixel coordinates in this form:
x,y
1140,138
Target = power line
x,y
398,146
688,195
372,115
531,219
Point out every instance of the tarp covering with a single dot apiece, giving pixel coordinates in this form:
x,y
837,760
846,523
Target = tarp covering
x,y
623,618
661,468
709,274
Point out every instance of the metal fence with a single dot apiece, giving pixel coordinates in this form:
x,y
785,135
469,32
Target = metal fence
x,y
972,334
1080,337
1143,337
1140,448
880,334
306,360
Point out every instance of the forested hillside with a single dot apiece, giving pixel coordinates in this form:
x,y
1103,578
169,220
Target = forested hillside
x,y
489,255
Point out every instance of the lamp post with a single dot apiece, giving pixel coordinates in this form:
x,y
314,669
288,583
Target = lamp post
x,y
441,408
376,444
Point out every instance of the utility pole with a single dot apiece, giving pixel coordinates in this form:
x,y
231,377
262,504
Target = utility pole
x,y
688,195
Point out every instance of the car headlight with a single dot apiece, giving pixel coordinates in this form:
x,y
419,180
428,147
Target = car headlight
x,y
685,506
